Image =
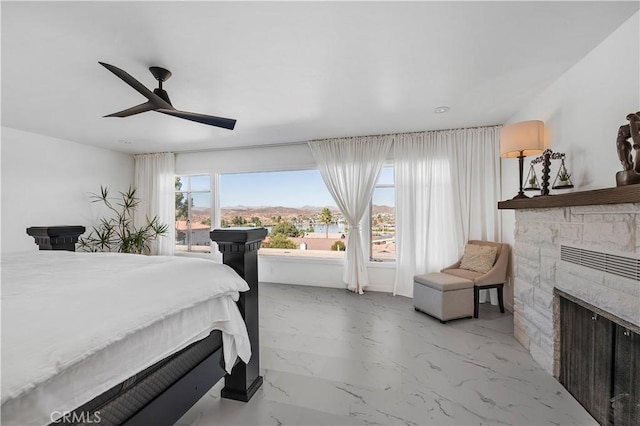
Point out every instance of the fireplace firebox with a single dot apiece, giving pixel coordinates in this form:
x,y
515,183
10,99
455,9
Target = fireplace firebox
x,y
600,361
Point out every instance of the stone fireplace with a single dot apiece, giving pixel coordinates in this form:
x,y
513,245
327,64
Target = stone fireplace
x,y
583,246
540,235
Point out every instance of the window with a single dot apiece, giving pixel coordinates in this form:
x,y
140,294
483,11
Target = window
x,y
294,206
193,213
383,218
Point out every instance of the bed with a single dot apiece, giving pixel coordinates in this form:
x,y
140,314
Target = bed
x,y
140,339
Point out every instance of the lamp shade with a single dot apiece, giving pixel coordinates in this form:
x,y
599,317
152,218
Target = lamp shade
x,y
526,137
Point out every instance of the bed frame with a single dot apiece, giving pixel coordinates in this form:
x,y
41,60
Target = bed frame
x,y
239,248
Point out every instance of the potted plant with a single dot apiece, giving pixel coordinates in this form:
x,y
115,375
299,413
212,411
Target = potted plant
x,y
564,176
563,179
532,183
118,233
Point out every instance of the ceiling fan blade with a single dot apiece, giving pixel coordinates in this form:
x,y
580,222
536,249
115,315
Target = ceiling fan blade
x,y
139,87
226,123
147,106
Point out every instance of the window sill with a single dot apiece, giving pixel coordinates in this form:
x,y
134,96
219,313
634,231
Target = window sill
x,y
386,264
323,260
301,259
297,253
308,257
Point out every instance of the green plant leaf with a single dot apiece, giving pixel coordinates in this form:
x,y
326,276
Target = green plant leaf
x,y
117,232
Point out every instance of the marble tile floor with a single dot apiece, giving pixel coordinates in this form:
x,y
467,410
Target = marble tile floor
x,y
331,357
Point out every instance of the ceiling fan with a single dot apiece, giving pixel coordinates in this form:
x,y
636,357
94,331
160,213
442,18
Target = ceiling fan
x,y
158,100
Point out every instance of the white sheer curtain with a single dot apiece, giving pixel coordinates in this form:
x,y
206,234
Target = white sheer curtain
x,y
447,190
155,182
477,181
350,169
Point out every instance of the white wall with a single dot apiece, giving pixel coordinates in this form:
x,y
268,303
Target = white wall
x,y
320,272
582,112
47,181
283,157
312,272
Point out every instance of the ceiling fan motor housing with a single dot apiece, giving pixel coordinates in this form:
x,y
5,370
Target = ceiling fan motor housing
x,y
163,94
162,75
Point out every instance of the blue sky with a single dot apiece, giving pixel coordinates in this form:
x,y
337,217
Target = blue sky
x,y
288,189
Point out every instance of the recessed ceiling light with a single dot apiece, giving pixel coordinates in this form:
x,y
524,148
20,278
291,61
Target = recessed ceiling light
x,y
441,109
124,142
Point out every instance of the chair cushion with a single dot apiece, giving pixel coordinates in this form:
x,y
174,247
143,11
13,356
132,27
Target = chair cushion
x,y
478,258
442,282
463,273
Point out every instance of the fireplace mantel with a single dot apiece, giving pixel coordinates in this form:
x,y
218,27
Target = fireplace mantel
x,y
618,195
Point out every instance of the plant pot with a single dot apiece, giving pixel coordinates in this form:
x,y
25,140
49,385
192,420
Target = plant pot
x,y
563,184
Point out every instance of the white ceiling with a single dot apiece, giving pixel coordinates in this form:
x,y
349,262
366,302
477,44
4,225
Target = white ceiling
x,y
287,71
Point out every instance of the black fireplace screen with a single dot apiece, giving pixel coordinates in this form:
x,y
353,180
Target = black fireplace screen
x,y
600,364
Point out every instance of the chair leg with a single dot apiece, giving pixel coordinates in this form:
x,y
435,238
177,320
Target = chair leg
x,y
476,301
500,298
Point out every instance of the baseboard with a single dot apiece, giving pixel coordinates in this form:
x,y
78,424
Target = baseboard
x,y
376,288
508,306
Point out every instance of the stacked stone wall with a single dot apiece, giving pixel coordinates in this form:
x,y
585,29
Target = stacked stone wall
x,y
539,234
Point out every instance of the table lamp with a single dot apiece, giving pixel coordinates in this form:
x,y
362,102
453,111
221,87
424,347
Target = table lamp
x,y
519,140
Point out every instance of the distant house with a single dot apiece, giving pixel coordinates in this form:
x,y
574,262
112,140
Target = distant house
x,y
199,233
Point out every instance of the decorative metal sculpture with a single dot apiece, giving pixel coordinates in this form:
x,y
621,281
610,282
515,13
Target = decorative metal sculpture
x,y
563,175
628,153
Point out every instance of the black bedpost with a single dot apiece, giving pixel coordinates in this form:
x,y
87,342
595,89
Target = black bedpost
x,y
239,248
56,237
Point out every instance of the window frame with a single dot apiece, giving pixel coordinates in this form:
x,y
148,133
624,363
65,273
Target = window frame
x,y
212,210
369,217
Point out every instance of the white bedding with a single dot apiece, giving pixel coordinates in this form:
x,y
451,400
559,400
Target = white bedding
x,y
76,324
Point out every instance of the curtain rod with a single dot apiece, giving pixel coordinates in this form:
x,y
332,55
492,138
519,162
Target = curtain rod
x,y
234,148
279,144
410,133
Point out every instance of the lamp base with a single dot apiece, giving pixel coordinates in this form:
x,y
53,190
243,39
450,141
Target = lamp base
x,y
520,196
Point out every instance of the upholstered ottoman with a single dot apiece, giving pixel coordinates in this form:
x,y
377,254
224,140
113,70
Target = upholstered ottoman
x,y
443,296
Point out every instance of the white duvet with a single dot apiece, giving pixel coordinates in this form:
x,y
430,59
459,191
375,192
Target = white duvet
x,y
76,324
